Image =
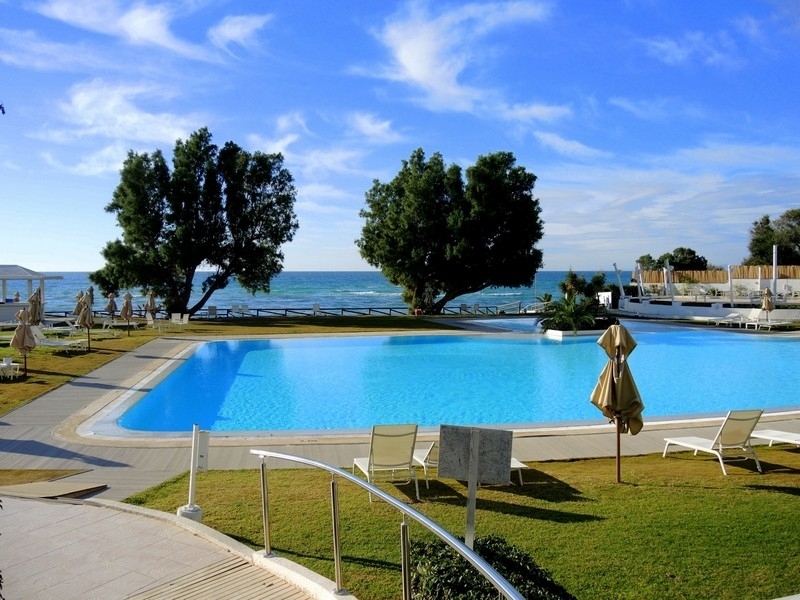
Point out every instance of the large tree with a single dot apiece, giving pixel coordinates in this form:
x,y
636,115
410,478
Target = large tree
x,y
440,237
223,210
783,232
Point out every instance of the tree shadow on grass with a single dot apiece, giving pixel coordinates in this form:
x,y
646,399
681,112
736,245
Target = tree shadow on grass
x,y
443,493
783,489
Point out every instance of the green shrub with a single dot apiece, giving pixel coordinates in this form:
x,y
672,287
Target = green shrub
x,y
443,574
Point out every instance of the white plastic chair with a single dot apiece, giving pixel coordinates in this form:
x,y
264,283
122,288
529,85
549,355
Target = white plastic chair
x,y
391,455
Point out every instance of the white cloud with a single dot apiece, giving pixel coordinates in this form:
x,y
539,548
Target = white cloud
x,y
25,49
104,161
375,130
716,51
568,147
239,30
526,113
110,111
430,53
142,24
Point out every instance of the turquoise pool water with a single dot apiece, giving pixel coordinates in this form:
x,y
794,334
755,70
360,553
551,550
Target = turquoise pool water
x,y
507,379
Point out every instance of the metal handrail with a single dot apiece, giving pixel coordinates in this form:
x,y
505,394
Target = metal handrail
x,y
504,588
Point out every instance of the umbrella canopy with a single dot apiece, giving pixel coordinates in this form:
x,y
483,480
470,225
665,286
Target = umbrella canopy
x,y
767,301
78,303
85,316
35,307
86,319
616,393
90,295
150,304
127,307
23,340
111,305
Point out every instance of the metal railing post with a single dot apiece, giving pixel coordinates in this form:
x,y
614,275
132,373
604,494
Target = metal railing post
x,y
264,507
405,561
337,546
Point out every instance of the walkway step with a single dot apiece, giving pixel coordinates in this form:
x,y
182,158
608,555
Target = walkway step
x,y
230,578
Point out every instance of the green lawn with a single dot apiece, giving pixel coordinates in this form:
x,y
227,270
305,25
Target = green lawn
x,y
677,528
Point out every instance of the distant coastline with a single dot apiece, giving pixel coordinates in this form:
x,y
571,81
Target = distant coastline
x,y
302,289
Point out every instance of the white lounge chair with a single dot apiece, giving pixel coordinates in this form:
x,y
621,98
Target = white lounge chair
x,y
154,323
428,458
735,432
730,320
43,340
178,319
774,435
391,452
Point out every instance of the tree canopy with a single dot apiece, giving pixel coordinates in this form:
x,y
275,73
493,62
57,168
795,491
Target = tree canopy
x,y
439,236
783,232
681,259
226,211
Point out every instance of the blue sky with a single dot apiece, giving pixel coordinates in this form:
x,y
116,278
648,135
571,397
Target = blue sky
x,y
650,124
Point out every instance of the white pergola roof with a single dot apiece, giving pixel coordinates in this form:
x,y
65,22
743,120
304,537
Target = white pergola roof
x,y
17,273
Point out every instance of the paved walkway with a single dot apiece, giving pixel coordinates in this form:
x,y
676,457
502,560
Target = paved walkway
x,y
117,559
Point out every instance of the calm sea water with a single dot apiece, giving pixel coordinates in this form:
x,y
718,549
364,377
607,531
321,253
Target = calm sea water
x,y
302,289
463,380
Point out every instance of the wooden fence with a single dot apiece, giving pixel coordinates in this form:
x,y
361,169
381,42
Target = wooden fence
x,y
720,276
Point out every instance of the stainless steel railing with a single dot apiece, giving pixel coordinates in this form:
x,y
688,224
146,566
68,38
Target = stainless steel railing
x,y
503,587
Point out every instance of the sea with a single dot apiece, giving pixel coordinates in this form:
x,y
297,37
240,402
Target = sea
x,y
302,289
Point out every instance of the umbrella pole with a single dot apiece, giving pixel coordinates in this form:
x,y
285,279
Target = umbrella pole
x,y
618,423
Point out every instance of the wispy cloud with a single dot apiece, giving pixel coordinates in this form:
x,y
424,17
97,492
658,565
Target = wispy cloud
x,y
567,147
431,52
656,109
718,50
100,109
240,30
140,24
26,49
375,131
527,113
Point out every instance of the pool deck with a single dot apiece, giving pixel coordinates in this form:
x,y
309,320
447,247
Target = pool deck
x,y
42,435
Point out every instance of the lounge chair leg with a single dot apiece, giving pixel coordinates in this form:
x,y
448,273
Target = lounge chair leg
x,y
721,462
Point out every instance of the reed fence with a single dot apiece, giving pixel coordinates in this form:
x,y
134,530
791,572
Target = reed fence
x,y
721,276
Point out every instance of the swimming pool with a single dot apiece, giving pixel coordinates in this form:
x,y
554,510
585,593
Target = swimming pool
x,y
344,382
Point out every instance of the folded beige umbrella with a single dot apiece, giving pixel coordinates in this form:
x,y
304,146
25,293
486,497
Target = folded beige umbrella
x,y
23,340
126,312
616,394
767,302
35,307
86,319
78,303
111,305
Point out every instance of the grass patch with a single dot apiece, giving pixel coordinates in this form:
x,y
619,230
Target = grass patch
x,y
49,368
677,528
20,476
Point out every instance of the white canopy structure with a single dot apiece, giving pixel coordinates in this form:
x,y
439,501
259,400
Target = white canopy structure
x,y
15,273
